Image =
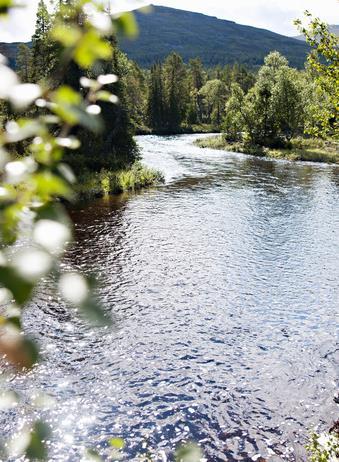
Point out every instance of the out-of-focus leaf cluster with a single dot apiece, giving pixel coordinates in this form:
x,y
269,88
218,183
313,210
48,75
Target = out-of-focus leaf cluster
x,y
34,227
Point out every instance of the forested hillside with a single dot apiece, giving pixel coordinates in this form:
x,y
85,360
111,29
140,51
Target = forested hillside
x,y
214,40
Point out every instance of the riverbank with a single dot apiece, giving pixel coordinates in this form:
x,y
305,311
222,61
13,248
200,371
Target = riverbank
x,y
106,182
313,150
184,130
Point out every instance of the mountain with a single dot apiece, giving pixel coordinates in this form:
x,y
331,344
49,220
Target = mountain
x,y
334,28
216,41
9,50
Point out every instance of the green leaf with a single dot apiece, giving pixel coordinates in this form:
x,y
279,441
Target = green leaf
x,y
107,97
127,25
91,48
5,5
10,218
37,449
117,443
48,186
70,107
66,35
20,287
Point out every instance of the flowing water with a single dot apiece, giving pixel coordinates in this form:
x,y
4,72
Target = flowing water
x,y
224,287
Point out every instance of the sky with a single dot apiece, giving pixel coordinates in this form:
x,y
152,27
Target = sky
x,y
275,15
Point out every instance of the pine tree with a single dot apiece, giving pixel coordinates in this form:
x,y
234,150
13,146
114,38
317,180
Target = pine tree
x,y
196,80
41,51
156,103
24,62
176,91
115,147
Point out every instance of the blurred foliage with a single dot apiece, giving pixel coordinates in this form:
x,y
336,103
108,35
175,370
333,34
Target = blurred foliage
x,y
42,114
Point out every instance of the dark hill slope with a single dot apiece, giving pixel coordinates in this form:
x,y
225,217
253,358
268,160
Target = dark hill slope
x,y
10,51
216,41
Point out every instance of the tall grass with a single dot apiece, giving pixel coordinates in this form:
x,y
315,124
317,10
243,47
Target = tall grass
x,y
113,182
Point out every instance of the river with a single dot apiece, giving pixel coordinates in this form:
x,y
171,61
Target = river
x,y
223,284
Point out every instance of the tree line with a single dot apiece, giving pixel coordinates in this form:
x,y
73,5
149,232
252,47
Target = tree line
x,y
264,106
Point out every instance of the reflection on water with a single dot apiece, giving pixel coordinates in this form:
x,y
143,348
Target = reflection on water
x,y
224,287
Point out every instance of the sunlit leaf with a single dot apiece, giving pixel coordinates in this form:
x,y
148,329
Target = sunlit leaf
x,y
126,24
65,34
107,97
69,106
117,443
48,186
91,48
5,6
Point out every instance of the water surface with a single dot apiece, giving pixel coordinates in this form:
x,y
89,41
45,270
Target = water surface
x,y
224,287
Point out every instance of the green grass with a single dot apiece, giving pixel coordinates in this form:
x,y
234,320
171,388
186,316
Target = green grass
x,y
301,149
104,183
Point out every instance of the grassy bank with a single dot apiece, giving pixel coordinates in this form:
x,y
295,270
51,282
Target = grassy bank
x,y
300,149
96,184
183,130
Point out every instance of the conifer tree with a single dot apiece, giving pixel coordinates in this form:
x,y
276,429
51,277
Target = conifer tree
x,y
155,103
24,62
175,91
41,59
196,80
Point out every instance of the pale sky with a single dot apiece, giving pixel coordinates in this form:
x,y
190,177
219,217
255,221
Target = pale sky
x,y
275,15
